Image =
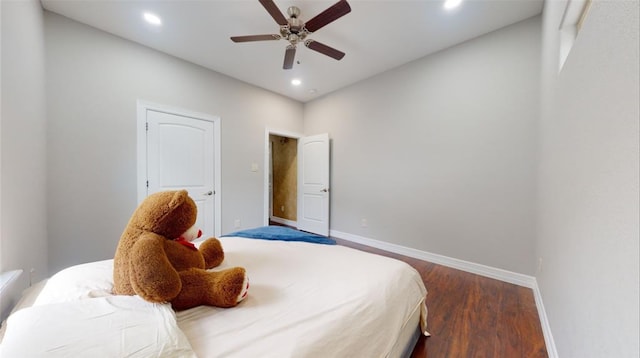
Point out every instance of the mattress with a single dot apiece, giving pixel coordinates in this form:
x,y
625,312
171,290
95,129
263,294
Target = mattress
x,y
305,300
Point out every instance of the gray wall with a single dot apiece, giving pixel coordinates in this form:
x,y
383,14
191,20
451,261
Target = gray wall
x,y
439,154
23,200
588,193
93,82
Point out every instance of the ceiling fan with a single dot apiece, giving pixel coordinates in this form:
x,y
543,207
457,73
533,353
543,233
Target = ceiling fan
x,y
295,30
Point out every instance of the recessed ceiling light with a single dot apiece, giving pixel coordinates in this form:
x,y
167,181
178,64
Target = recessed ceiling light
x,y
296,82
450,4
152,19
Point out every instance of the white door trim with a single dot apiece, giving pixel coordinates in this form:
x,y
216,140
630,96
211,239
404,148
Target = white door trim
x,y
141,140
267,132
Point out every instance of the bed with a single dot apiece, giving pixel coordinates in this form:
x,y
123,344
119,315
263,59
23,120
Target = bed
x,y
305,300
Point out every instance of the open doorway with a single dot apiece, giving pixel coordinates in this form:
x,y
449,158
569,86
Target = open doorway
x,y
282,189
310,194
283,206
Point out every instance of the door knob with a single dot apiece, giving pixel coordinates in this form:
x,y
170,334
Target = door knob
x,y
325,190
209,193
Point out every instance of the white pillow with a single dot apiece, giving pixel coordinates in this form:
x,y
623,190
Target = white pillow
x,y
90,280
115,326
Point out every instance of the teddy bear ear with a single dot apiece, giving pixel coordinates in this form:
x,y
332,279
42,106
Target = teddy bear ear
x,y
179,197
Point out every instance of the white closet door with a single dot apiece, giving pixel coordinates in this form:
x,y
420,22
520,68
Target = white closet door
x,y
180,155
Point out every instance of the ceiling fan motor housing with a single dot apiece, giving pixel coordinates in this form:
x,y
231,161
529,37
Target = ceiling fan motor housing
x,y
294,31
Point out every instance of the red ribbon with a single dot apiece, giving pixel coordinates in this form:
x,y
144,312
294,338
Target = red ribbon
x,y
186,243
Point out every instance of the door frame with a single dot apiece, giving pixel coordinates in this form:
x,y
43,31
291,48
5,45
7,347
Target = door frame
x,y
267,132
141,140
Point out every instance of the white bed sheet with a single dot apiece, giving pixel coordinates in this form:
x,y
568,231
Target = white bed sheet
x,y
305,300
360,310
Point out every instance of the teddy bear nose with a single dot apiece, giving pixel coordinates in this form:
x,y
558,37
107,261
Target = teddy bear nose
x,y
199,233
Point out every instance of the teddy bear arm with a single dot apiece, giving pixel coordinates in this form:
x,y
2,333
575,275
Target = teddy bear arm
x,y
152,275
212,252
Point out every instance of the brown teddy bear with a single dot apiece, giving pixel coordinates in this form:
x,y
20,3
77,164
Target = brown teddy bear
x,y
156,260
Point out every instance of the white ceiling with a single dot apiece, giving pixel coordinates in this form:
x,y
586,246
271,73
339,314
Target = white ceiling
x,y
376,36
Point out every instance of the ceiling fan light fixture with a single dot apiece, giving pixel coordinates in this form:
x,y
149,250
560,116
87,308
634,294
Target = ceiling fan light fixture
x,y
452,4
152,19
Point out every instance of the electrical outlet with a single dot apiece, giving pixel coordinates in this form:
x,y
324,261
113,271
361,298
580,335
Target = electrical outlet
x,y
363,222
236,223
282,208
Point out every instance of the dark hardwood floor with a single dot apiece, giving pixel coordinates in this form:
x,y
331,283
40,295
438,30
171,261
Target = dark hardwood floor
x,y
471,315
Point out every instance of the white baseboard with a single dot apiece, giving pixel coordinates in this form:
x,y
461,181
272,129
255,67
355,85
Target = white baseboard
x,y
544,322
478,269
284,221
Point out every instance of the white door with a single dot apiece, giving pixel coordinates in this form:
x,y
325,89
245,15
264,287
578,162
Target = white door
x,y
313,184
180,155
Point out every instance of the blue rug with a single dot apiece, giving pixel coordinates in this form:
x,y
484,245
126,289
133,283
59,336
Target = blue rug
x,y
282,233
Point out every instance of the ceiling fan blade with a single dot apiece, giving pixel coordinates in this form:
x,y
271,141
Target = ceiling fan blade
x,y
289,55
255,38
331,14
273,10
324,49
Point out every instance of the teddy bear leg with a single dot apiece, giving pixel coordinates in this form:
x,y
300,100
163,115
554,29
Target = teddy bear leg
x,y
221,289
212,252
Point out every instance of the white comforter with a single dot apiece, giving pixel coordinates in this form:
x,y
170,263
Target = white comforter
x,y
305,300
